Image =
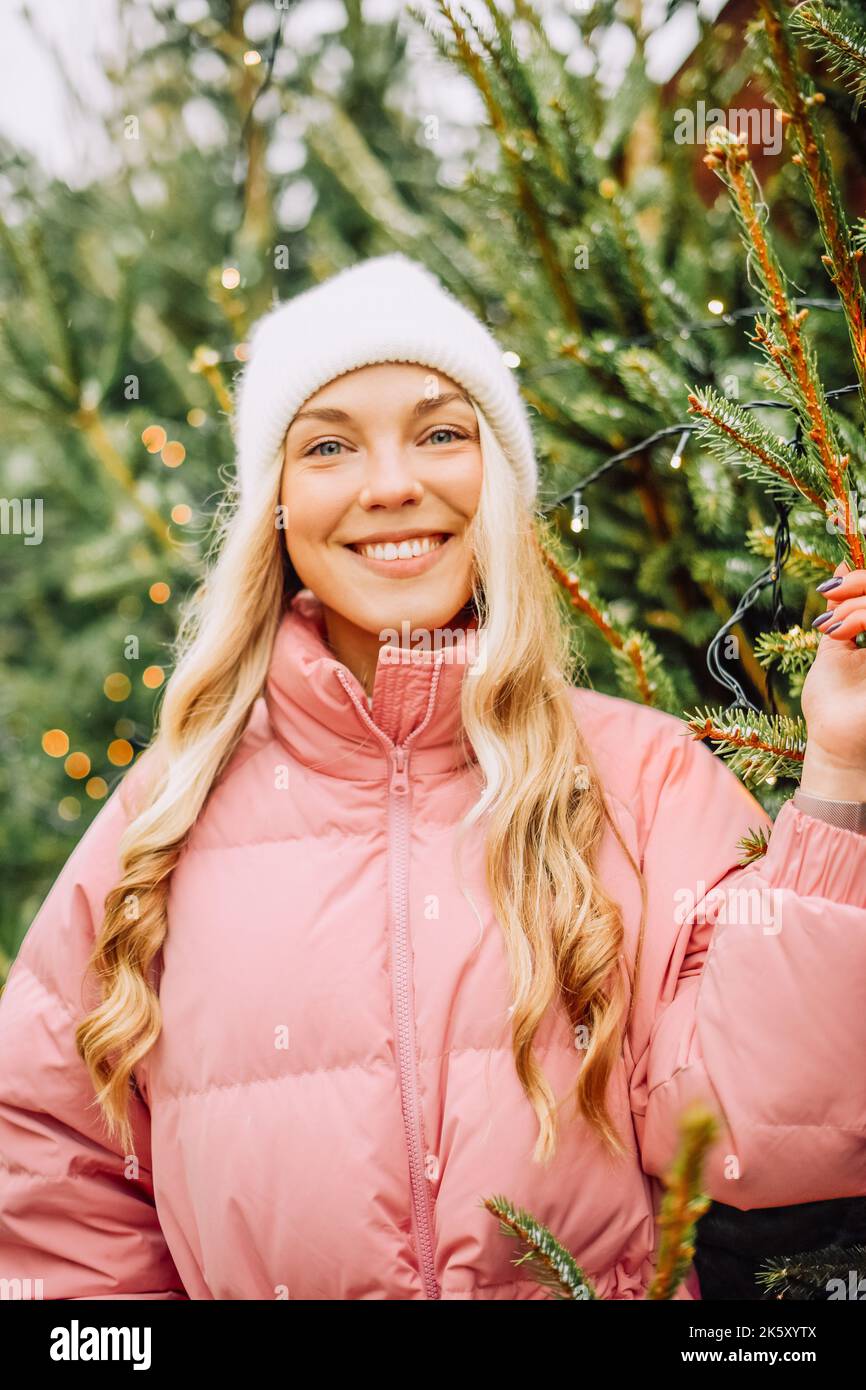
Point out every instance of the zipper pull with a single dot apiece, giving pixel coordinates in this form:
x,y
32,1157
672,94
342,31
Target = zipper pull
x,y
400,771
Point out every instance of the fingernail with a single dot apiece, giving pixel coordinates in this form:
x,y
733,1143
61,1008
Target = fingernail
x,y
829,584
822,618
834,627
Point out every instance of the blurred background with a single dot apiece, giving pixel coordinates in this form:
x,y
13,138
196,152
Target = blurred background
x,y
168,170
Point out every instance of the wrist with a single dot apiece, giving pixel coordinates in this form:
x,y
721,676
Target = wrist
x,y
827,777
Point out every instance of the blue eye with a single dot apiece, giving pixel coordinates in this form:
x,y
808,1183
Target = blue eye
x,y
321,445
446,429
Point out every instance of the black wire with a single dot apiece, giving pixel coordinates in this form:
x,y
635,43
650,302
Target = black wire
x,y
276,40
685,329
685,427
771,576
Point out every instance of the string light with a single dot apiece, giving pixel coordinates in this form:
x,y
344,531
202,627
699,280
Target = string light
x,y
716,306
252,57
153,677
230,278
55,743
77,765
677,455
159,592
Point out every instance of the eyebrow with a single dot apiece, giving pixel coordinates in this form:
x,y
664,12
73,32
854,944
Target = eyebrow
x,y
421,408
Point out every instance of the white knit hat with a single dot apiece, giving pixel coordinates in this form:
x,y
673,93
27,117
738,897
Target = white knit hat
x,y
385,309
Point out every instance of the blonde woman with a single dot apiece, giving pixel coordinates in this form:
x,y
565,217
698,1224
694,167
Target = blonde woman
x,y
393,915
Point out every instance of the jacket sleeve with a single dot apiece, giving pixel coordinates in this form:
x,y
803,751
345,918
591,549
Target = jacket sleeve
x,y
754,996
77,1216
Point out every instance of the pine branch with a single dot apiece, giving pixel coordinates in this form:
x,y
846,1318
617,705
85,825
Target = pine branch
x,y
791,353
92,427
841,259
839,40
472,64
636,659
737,438
758,747
754,845
805,562
683,1204
793,651
549,1261
806,1276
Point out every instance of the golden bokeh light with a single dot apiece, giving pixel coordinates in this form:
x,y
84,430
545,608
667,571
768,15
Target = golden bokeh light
x,y
120,752
196,417
55,743
69,808
153,438
159,592
181,514
173,454
97,788
153,677
230,278
117,686
77,765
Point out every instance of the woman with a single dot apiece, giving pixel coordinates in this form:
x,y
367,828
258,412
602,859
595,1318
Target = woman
x,y
392,916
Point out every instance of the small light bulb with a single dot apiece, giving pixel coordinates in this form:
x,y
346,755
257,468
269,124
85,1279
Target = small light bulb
x,y
716,306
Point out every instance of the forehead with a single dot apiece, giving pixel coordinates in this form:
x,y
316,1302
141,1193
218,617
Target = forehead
x,y
397,384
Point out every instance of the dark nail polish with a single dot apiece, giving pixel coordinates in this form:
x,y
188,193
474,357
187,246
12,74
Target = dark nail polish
x,y
822,617
829,584
833,628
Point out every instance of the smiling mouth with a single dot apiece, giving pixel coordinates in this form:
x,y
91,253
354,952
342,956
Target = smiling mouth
x,y
409,549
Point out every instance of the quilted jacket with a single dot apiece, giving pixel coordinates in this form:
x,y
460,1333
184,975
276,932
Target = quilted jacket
x,y
333,1091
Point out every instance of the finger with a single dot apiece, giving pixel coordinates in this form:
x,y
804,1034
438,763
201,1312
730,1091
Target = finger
x,y
846,629
836,612
846,583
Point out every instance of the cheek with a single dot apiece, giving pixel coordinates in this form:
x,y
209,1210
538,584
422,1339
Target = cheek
x,y
467,489
310,512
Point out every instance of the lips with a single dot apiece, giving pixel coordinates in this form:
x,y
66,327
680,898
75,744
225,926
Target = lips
x,y
399,548
402,566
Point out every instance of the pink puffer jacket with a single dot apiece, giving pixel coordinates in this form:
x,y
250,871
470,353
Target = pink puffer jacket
x,y
333,1091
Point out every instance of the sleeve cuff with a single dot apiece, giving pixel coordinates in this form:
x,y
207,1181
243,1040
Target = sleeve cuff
x,y
815,859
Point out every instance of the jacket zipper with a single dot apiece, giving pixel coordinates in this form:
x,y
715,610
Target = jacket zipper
x,y
398,835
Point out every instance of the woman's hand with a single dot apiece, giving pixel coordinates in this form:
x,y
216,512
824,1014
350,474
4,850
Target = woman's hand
x,y
834,696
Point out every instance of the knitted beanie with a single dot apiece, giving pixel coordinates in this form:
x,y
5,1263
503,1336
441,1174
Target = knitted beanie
x,y
384,309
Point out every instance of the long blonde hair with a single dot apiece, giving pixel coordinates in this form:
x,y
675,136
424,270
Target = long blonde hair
x,y
542,824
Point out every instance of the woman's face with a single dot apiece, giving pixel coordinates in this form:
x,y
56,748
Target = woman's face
x,y
384,456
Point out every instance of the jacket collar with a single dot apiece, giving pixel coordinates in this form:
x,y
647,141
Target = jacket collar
x,y
318,709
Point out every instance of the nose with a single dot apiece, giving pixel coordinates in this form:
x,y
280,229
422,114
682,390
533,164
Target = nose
x,y
390,478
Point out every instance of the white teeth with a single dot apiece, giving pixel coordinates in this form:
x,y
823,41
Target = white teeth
x,y
404,550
